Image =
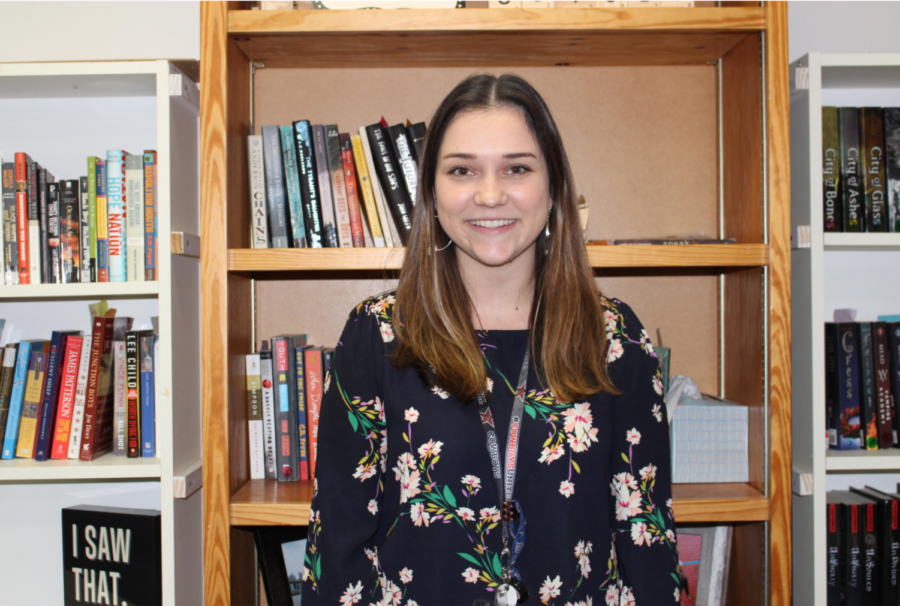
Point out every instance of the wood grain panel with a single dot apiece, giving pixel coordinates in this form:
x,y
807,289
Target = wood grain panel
x,y
779,190
746,573
243,568
742,140
267,503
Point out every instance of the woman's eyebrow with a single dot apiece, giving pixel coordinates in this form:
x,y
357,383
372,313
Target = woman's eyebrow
x,y
511,156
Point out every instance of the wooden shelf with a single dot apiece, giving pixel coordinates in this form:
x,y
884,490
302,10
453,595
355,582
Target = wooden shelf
x,y
308,259
73,291
845,241
107,467
862,460
269,503
623,36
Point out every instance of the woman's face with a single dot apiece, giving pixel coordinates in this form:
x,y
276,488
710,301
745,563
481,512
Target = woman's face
x,y
492,188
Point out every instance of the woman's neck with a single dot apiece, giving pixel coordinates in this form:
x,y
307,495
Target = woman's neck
x,y
501,296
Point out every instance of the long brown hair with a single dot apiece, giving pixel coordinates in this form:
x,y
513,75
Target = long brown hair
x,y
433,314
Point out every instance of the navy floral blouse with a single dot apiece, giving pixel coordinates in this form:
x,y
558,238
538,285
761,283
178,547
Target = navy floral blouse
x,y
405,509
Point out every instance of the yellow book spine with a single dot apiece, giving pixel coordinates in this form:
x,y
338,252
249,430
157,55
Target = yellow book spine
x,y
28,425
368,195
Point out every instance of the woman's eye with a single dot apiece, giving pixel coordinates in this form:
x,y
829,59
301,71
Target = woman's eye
x,y
460,171
519,169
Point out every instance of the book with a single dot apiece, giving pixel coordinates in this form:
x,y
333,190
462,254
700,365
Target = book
x,y
292,183
366,193
10,227
882,367
84,230
34,222
6,385
309,186
869,548
67,384
833,542
871,132
416,135
116,207
402,149
259,222
17,398
285,411
151,219
31,404
886,512
24,265
102,222
50,394
84,363
278,212
92,216
388,229
893,338
43,210
851,174
704,553
395,193
147,341
338,186
134,217
132,384
353,206
268,404
845,414
314,378
302,424
96,439
892,164
53,233
852,544
323,179
120,399
69,228
868,413
256,443
831,170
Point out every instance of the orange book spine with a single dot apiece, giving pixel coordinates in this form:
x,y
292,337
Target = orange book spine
x,y
60,448
22,217
314,403
356,227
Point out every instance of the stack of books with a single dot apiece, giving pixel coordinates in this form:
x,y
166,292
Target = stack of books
x,y
98,228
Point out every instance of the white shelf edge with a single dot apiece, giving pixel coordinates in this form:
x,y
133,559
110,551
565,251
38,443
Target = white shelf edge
x,y
862,241
107,467
862,460
79,68
860,59
69,291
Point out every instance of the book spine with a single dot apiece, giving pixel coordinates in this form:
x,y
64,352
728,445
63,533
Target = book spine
x,y
870,556
893,334
872,154
356,221
103,416
278,213
102,222
366,192
6,384
43,209
151,220
849,431
388,228
84,364
302,430
147,367
30,406
49,397
831,170
34,222
892,552
416,135
892,164
285,412
292,182
338,186
395,194
98,345
314,403
131,382
853,555
24,265
10,227
882,366
92,217
868,398
256,437
309,187
134,217
851,174
16,400
69,237
259,228
120,399
116,200
833,577
268,404
85,230
323,179
53,239
403,151
68,382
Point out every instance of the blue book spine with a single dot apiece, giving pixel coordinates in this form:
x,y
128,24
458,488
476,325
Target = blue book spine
x,y
850,431
115,207
292,180
275,192
50,396
303,450
15,403
148,396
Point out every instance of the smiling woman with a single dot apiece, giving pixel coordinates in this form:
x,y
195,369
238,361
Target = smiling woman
x,y
496,343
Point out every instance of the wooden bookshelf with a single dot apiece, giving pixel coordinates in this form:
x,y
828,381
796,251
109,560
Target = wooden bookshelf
x,y
677,68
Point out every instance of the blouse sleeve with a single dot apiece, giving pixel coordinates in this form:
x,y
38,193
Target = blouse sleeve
x,y
341,561
642,521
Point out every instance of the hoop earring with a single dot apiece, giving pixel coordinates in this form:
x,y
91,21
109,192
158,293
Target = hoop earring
x,y
436,249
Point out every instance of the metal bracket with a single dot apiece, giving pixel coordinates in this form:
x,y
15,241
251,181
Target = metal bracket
x,y
253,67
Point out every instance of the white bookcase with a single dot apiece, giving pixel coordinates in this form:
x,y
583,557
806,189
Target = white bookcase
x,y
61,113
837,271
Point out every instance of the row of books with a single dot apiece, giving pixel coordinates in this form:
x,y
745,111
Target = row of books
x,y
312,186
863,543
80,396
862,384
98,228
285,386
861,169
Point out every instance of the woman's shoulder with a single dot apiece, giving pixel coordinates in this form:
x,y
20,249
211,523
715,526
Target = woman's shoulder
x,y
375,314
624,329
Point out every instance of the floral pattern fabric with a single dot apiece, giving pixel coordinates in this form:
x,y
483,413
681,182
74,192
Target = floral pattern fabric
x,y
405,508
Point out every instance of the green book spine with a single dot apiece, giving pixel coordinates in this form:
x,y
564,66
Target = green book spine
x,y
831,170
92,213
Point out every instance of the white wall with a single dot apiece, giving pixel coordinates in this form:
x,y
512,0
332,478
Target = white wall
x,y
842,27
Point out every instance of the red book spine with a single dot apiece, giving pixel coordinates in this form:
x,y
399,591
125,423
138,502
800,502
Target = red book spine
x,y
69,379
22,216
356,227
93,385
314,404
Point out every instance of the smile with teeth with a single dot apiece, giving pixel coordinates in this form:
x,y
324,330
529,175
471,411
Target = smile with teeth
x,y
493,224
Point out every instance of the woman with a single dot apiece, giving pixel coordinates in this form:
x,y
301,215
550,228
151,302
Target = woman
x,y
496,331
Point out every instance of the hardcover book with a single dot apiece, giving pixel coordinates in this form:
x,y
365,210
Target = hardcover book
x,y
259,224
833,542
366,193
132,386
314,392
53,240
256,444
893,334
851,173
43,209
92,217
853,546
116,207
50,394
134,217
34,222
102,222
416,135
886,512
6,385
868,398
292,182
120,399
24,264
285,411
845,415
338,186
356,222
892,164
872,156
268,404
388,229
402,149
395,192
309,187
67,384
97,431
302,424
74,449
84,230
323,178
69,232
31,404
869,548
17,398
151,219
882,365
277,197
147,342
831,170
10,227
